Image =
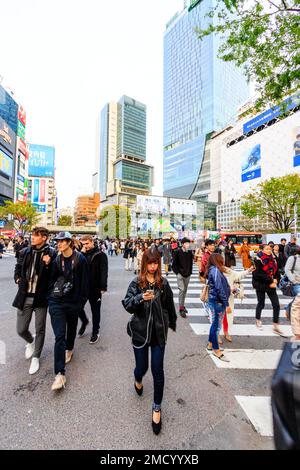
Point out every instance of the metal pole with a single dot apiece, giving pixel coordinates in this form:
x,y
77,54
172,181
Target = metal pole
x,y
295,217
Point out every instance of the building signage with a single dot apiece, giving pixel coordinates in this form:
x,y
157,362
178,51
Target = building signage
x,y
272,113
152,204
183,207
6,164
193,3
7,137
22,146
41,161
21,130
8,109
251,164
40,207
296,146
22,115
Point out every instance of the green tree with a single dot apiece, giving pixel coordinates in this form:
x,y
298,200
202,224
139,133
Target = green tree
x,y
263,37
274,201
21,216
65,220
115,222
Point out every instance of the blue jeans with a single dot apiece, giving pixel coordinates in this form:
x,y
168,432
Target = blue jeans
x,y
217,315
157,369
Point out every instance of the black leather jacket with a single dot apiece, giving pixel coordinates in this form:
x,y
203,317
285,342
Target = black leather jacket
x,y
161,311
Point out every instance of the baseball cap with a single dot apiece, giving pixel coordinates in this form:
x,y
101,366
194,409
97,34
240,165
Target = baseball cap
x,y
63,236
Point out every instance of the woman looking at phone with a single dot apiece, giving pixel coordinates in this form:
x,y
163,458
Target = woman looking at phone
x,y
149,299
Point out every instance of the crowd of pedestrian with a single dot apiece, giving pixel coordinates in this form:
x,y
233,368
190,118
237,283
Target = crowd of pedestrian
x,y
61,273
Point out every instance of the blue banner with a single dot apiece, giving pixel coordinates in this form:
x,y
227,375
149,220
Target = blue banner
x,y
251,164
41,161
271,113
36,191
297,147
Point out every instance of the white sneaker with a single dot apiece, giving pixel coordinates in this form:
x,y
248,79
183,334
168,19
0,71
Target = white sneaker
x,y
34,366
29,349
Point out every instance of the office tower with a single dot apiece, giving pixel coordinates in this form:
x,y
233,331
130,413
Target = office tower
x,y
201,95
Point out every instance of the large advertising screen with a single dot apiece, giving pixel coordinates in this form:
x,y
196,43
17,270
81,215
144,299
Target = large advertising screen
x,y
251,164
152,204
6,164
8,109
41,161
182,207
296,140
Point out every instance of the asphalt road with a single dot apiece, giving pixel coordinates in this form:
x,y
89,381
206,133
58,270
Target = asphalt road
x,y
99,408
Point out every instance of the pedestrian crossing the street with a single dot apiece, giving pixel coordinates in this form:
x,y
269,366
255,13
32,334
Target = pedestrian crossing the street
x,y
256,408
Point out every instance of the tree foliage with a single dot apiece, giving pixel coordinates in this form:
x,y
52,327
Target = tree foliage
x,y
263,37
65,220
115,222
22,216
274,201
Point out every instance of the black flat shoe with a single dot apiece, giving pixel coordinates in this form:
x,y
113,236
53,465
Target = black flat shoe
x,y
139,391
156,427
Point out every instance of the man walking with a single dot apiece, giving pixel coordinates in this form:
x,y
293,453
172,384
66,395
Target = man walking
x,y
68,293
98,272
183,268
209,249
33,274
291,248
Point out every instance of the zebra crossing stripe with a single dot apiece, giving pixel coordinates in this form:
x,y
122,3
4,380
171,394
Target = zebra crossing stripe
x,y
249,359
259,412
196,300
202,329
238,313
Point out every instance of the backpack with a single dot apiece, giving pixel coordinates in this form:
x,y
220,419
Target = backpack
x,y
285,285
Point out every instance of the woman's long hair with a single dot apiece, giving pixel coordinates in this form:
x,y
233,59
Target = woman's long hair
x,y
150,256
216,260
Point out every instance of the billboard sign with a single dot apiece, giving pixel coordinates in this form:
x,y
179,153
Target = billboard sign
x,y
40,207
272,113
22,115
22,146
41,161
7,137
21,130
152,204
6,164
251,164
8,109
296,146
183,207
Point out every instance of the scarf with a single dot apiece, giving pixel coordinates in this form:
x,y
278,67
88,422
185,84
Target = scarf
x,y
269,264
35,267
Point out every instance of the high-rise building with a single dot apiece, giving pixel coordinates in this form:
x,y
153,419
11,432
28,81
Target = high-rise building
x,y
201,95
123,149
41,182
86,208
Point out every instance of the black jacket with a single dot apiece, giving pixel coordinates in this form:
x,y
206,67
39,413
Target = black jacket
x,y
161,311
183,262
21,274
98,272
80,280
260,280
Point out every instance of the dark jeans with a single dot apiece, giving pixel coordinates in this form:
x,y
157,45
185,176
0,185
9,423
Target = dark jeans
x,y
261,296
23,322
157,369
64,319
96,314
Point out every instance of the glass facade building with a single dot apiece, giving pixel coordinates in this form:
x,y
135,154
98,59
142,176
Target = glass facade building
x,y
201,95
123,149
131,128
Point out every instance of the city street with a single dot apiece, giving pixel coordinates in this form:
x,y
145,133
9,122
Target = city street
x,y
205,406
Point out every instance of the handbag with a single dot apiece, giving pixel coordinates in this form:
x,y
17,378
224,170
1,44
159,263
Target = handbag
x,y
285,285
205,294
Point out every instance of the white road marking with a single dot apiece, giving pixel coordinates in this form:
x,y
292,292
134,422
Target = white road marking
x,y
238,313
202,329
249,359
259,412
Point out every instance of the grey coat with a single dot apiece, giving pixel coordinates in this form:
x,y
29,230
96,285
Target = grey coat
x,y
295,276
167,254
